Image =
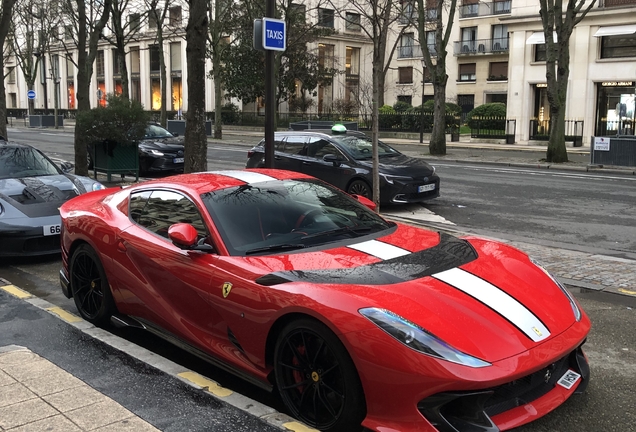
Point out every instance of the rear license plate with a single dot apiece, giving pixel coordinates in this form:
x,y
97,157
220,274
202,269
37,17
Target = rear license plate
x,y
50,230
569,379
426,188
177,160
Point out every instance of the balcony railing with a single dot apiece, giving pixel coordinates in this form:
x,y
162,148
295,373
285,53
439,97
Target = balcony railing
x,y
481,46
490,8
616,3
414,51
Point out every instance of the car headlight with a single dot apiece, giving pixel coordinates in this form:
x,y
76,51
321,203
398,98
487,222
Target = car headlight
x,y
1,209
151,151
573,304
418,339
391,178
98,186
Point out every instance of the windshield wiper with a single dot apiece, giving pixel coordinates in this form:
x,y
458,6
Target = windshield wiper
x,y
276,247
338,231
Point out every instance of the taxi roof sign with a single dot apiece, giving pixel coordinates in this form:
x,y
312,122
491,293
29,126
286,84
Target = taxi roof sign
x,y
338,129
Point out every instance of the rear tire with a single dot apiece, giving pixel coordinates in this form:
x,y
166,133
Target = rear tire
x,y
317,379
90,288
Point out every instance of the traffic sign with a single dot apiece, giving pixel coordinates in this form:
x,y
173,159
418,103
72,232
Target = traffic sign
x,y
31,94
274,34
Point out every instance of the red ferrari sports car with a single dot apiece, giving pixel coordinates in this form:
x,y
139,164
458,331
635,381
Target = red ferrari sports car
x,y
355,320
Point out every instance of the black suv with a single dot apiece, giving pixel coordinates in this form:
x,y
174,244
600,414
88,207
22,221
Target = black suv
x,y
344,159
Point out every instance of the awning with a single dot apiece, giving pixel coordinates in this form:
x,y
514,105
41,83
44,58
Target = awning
x,y
616,30
538,38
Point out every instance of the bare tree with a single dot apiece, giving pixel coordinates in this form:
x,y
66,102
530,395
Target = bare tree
x,y
196,145
434,19
34,26
124,26
87,21
376,19
6,14
561,23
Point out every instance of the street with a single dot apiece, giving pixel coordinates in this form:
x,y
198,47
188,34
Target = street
x,y
555,213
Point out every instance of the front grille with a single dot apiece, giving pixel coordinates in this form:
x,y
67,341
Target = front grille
x,y
41,244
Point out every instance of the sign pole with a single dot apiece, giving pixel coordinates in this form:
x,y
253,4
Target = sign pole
x,y
270,91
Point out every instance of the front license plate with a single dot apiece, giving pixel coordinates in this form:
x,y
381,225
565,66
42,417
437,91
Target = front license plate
x,y
569,379
52,229
177,160
426,188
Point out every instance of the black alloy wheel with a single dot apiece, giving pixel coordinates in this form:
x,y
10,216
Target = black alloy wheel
x,y
317,379
90,287
359,187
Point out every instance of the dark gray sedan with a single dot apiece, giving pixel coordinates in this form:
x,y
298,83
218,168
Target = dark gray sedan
x,y
345,161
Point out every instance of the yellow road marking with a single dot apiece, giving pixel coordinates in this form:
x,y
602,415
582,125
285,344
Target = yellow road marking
x,y
14,290
66,316
298,427
202,381
626,291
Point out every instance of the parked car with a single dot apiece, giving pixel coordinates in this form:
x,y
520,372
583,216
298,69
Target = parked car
x,y
345,161
293,284
32,188
159,151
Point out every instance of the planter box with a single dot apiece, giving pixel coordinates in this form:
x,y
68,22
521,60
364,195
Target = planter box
x,y
111,158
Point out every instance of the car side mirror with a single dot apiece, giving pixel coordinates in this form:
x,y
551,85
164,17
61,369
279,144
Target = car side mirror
x,y
335,159
66,166
365,202
175,134
183,235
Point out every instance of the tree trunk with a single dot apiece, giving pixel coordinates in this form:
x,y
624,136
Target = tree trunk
x,y
437,146
3,105
380,87
375,116
556,145
218,98
163,79
125,91
195,139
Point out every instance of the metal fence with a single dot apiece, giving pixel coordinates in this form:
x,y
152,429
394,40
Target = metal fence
x,y
614,151
493,127
540,131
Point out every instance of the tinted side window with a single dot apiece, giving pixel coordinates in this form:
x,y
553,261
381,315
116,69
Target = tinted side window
x,y
318,148
294,145
137,205
165,208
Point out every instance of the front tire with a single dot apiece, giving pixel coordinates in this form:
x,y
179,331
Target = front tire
x,y
91,291
360,187
317,379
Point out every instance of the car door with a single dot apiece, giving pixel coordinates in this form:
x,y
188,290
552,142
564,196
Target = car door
x,y
290,155
337,173
160,282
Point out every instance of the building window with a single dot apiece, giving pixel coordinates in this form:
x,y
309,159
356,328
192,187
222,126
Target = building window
x,y
135,83
326,56
500,37
299,12
353,61
469,8
618,46
502,7
540,52
406,99
498,71
405,75
175,73
467,72
175,16
430,43
11,75
405,50
325,97
467,103
325,17
469,38
153,17
68,32
12,101
70,67
99,67
134,21
70,91
352,22
406,14
101,93
116,63
155,62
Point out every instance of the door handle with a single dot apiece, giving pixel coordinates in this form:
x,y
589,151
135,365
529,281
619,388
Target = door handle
x,y
121,247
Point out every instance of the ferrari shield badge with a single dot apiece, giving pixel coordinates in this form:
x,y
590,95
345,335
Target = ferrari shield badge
x,y
227,287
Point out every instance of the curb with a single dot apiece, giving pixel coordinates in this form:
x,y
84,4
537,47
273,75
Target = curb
x,y
191,378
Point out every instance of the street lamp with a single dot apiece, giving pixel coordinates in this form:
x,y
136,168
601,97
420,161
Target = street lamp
x,y
55,77
422,106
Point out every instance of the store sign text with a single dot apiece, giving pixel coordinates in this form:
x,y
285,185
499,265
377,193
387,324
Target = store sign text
x,y
617,83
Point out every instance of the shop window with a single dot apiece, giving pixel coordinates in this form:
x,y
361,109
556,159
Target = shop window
x,y
618,46
467,72
405,75
70,91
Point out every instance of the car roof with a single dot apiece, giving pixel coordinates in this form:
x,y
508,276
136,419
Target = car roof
x,y
202,182
325,133
14,144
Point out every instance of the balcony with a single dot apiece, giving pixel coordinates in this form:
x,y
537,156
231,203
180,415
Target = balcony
x,y
481,46
491,8
616,3
413,51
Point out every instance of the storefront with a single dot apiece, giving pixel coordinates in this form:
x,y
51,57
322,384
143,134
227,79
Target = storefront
x,y
615,108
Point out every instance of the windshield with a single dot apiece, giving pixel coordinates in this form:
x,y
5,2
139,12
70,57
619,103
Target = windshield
x,y
361,148
154,131
280,216
19,162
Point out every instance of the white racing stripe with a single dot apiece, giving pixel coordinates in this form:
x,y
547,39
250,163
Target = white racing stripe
x,y
246,176
497,300
379,249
